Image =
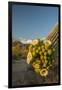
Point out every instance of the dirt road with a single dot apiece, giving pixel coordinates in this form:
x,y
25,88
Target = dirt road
x,y
23,74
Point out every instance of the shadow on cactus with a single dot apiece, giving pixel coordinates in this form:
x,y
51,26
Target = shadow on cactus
x,y
41,56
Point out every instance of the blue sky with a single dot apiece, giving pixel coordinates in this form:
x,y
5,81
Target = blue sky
x,y
31,22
